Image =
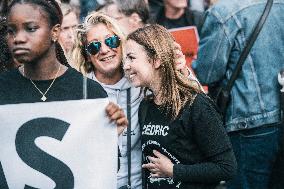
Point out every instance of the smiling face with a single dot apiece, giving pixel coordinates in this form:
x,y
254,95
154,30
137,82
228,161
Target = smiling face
x,y
138,67
107,61
29,33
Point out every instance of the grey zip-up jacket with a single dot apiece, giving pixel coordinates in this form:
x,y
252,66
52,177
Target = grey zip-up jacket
x,y
118,94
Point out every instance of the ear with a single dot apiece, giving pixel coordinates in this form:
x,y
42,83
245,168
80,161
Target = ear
x,y
157,63
135,19
55,32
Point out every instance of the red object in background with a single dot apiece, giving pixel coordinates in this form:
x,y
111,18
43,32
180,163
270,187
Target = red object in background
x,y
188,39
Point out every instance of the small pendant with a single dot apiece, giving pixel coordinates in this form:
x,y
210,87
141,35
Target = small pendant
x,y
43,98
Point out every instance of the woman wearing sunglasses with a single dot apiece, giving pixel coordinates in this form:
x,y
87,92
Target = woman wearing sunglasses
x,y
99,52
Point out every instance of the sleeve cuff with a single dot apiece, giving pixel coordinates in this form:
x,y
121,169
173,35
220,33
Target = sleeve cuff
x,y
177,172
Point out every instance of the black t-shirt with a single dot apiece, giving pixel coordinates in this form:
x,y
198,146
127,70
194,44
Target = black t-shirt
x,y
15,88
175,23
195,142
189,18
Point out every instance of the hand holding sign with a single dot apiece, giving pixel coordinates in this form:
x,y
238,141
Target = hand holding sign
x,y
117,115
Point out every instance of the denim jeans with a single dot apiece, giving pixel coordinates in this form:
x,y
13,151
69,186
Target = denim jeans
x,y
255,150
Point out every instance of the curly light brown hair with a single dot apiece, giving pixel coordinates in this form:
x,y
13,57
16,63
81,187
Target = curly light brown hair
x,y
79,53
176,90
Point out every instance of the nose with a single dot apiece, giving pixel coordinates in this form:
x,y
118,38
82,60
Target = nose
x,y
19,37
104,48
126,65
71,33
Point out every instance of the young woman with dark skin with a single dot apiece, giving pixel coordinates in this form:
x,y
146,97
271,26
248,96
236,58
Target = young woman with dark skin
x,y
33,27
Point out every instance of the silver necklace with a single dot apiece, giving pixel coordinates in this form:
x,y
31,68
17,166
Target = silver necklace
x,y
43,98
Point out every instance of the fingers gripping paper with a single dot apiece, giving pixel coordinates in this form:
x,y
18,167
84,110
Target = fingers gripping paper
x,y
68,144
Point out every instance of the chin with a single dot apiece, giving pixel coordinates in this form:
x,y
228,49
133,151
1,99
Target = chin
x,y
22,60
136,83
111,72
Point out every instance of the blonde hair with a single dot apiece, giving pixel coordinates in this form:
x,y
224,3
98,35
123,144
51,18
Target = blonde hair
x,y
176,90
79,53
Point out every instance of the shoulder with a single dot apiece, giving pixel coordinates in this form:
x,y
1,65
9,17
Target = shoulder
x,y
202,107
95,90
8,73
224,10
12,85
9,76
76,79
200,101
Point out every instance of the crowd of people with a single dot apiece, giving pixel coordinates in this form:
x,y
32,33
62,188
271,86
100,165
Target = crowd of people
x,y
174,135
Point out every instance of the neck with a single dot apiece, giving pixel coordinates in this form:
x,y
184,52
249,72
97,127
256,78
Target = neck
x,y
43,69
157,98
108,79
173,13
155,86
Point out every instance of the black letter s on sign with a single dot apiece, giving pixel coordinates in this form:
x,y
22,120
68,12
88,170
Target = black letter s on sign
x,y
3,183
40,160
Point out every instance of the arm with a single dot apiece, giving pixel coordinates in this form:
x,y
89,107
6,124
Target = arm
x,y
217,168
213,141
211,138
214,50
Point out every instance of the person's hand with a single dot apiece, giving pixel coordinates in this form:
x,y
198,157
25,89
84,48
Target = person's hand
x,y
180,60
117,115
160,166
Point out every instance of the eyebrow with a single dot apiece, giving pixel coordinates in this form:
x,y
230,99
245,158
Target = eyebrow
x,y
29,22
106,36
130,53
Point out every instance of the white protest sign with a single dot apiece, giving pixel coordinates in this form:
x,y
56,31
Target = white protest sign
x,y
66,144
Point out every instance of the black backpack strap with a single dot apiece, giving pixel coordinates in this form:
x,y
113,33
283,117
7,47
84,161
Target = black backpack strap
x,y
129,137
249,45
85,87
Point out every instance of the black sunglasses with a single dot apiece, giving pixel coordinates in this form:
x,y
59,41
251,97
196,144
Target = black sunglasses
x,y
94,47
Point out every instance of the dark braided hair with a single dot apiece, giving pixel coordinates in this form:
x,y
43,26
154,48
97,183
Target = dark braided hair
x,y
6,61
54,15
